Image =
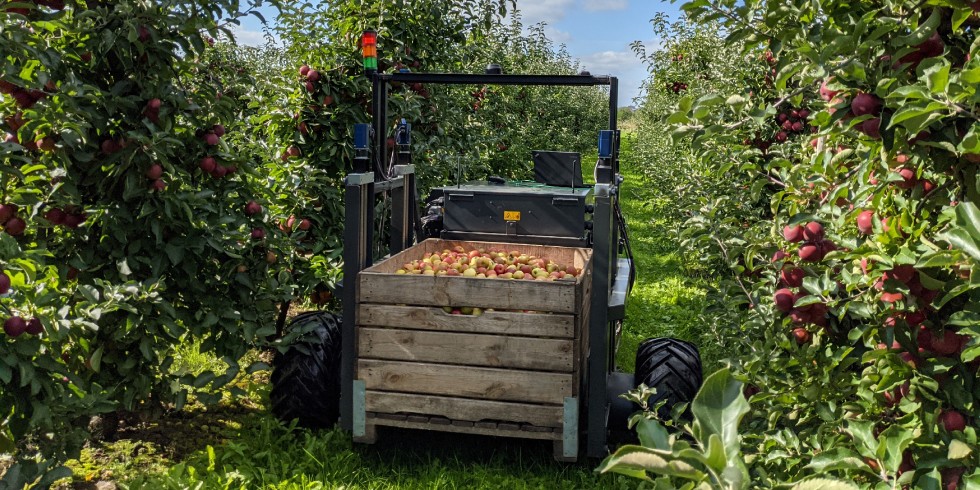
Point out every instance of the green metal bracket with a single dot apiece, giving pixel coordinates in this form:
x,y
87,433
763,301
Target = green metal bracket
x,y
360,414
569,445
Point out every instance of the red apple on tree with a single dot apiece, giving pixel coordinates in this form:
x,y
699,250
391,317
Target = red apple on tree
x,y
793,233
865,222
154,172
952,420
34,326
15,226
14,326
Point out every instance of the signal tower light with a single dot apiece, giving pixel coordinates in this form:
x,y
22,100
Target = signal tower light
x,y
369,49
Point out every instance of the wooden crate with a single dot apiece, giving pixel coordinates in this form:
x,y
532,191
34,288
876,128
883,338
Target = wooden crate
x,y
503,373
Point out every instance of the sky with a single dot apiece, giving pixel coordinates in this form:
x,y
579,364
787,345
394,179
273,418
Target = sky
x,y
596,32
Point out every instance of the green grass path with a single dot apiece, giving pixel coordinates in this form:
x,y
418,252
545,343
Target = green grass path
x,y
664,301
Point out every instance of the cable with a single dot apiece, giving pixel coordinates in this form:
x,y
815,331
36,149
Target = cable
x,y
625,239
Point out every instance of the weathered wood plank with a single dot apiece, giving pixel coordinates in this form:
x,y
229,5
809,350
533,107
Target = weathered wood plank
x,y
490,322
468,349
475,429
503,294
463,408
563,255
465,381
380,284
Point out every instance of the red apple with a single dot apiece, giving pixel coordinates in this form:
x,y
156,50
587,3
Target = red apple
x,y
892,297
305,224
801,335
14,326
4,283
293,151
792,276
947,343
253,208
15,226
211,139
784,300
7,211
158,185
34,326
826,93
313,75
154,172
871,127
813,232
865,222
55,216
218,130
865,104
303,70
952,420
207,164
258,233
793,233
810,253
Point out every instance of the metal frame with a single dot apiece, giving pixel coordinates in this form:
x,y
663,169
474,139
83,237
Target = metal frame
x,y
593,410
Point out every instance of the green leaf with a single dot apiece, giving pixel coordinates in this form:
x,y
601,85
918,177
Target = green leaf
x,y
959,238
630,459
839,458
96,359
715,454
652,434
958,450
718,408
937,77
824,484
203,379
89,292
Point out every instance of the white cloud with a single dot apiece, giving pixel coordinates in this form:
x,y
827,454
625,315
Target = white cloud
x,y
600,5
550,11
607,62
250,38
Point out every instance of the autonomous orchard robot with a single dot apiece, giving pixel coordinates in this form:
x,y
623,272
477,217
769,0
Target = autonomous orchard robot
x,y
316,382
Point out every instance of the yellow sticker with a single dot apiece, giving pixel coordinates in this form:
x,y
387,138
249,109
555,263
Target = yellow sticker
x,y
512,215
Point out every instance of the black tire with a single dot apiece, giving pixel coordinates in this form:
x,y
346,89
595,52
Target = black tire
x,y
671,366
306,385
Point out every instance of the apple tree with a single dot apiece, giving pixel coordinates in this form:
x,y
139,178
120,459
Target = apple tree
x,y
855,298
128,222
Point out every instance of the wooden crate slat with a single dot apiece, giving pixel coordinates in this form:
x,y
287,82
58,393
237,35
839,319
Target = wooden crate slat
x,y
380,284
490,322
562,255
465,381
467,349
464,409
504,294
475,429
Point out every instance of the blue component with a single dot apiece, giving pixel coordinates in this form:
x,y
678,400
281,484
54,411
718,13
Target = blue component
x,y
361,136
605,143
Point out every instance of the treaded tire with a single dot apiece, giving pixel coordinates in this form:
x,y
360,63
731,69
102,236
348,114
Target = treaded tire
x,y
671,366
306,386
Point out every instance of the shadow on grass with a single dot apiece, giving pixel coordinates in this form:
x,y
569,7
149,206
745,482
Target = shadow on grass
x,y
265,454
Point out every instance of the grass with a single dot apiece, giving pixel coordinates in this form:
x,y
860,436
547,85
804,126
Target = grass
x,y
239,445
665,302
